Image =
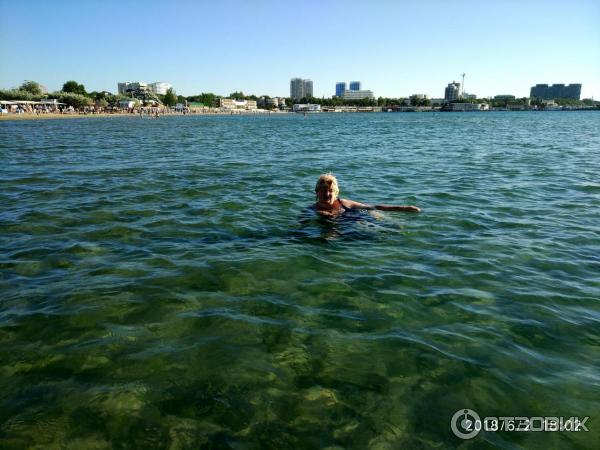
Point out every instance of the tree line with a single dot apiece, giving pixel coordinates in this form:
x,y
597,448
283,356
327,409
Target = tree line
x,y
74,94
210,99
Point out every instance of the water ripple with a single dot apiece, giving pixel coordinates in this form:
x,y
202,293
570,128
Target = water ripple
x,y
164,285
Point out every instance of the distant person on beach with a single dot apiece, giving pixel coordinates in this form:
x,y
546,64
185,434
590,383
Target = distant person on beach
x,y
328,203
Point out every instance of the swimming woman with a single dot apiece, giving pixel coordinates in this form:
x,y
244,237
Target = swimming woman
x,y
328,203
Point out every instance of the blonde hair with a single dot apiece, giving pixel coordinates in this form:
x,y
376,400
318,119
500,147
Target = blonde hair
x,y
328,179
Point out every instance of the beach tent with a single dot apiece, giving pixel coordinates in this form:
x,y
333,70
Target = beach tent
x,y
4,104
30,102
51,101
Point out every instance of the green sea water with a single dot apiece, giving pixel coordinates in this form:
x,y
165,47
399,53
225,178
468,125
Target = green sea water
x,y
163,285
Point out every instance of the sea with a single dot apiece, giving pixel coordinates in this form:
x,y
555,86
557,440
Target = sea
x,y
165,284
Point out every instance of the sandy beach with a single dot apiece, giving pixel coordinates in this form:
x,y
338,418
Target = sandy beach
x,y
26,116
29,116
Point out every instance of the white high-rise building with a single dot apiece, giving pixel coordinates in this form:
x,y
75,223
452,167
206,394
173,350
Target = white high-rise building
x,y
127,86
300,88
357,94
308,88
296,88
122,87
160,87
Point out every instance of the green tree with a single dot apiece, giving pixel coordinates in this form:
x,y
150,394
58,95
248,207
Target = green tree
x,y
14,94
467,100
170,98
207,99
72,99
112,100
98,95
568,102
237,95
74,87
416,101
32,87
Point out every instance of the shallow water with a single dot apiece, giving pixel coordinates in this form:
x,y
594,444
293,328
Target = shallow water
x,y
162,284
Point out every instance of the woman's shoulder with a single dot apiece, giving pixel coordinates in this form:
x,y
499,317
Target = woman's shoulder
x,y
345,203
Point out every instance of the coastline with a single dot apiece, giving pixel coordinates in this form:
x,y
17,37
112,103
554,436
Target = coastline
x,y
54,116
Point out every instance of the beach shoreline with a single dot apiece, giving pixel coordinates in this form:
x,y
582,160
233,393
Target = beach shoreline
x,y
55,116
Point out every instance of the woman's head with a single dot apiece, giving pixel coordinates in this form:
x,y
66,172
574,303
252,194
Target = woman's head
x,y
327,189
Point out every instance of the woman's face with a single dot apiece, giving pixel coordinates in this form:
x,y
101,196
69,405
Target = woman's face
x,y
326,192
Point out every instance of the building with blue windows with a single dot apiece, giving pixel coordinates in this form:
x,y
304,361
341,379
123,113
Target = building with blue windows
x,y
340,88
354,93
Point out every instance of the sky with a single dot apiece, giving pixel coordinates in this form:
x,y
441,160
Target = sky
x,y
396,48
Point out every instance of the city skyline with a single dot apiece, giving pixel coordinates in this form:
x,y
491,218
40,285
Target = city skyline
x,y
503,49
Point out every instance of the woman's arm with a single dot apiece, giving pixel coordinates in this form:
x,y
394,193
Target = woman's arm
x,y
351,204
407,208
357,205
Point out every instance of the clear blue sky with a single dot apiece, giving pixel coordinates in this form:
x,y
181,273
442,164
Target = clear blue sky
x,y
396,48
